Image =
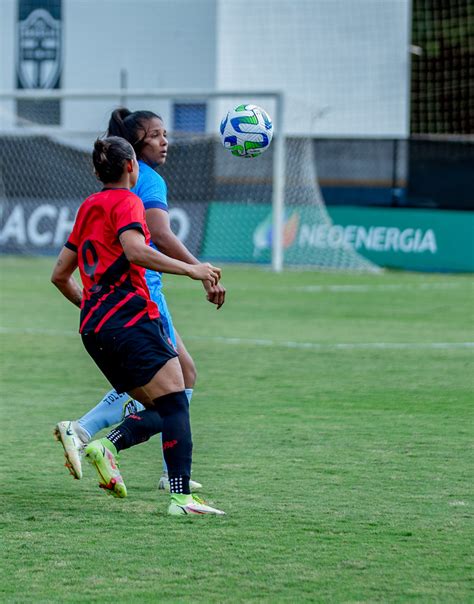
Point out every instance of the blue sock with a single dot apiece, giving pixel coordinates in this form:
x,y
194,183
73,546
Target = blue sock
x,y
111,410
189,395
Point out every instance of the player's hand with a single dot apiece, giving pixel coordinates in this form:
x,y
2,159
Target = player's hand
x,y
205,272
215,293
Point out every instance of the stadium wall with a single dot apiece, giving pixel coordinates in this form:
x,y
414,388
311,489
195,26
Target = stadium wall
x,y
350,76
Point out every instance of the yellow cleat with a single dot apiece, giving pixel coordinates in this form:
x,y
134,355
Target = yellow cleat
x,y
110,479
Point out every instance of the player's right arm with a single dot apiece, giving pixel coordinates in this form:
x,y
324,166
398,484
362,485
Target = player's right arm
x,y
166,241
138,252
62,277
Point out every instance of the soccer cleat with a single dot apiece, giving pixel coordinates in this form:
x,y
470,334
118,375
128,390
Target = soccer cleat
x,y
66,434
105,463
188,505
164,484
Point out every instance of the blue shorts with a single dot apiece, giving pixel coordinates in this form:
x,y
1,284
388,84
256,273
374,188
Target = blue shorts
x,y
129,358
159,298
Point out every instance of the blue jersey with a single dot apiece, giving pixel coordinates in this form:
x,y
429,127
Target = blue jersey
x,y
151,188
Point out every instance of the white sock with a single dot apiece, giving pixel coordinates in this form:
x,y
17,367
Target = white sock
x,y
111,410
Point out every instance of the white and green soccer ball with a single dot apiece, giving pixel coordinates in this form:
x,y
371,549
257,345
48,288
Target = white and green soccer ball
x,y
246,131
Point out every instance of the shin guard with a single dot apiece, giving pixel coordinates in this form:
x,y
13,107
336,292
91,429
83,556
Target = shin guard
x,y
176,437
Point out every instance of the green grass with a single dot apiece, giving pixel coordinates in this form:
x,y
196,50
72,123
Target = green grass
x,y
346,473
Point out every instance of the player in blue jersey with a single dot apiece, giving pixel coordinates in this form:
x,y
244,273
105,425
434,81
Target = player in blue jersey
x,y
146,132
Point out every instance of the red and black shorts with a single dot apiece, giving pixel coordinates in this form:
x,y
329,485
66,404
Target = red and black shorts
x,y
130,357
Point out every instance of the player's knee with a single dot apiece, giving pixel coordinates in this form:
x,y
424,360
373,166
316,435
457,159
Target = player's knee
x,y
169,404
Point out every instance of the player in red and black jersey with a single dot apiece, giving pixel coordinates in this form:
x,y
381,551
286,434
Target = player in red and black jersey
x,y
115,293
120,324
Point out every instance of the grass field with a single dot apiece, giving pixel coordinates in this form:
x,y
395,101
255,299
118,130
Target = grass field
x,y
332,422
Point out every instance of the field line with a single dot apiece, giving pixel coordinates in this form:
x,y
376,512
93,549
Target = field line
x,y
340,288
334,345
353,288
271,343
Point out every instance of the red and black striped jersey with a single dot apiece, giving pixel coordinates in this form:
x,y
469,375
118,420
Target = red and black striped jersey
x,y
115,293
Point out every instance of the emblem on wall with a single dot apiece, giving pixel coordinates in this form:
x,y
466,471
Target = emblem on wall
x,y
39,58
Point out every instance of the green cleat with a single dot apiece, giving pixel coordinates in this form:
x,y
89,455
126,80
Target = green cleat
x,y
101,457
191,505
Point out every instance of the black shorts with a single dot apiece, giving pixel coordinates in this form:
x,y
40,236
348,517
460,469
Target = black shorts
x,y
130,357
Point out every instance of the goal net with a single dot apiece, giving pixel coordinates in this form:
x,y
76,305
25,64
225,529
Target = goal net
x,y
442,89
309,237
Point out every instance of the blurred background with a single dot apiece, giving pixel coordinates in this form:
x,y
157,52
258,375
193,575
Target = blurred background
x,y
374,99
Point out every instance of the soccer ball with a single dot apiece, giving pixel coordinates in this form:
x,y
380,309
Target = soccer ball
x,y
246,131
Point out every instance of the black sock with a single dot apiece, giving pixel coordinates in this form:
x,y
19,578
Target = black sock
x,y
135,429
177,441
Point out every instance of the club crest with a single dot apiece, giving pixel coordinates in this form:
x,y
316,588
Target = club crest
x,y
39,50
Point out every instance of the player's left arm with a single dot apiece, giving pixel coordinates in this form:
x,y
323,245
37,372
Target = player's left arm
x,y
62,276
168,243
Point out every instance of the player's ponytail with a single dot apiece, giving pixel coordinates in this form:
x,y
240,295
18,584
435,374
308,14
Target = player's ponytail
x,y
132,126
109,156
116,125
